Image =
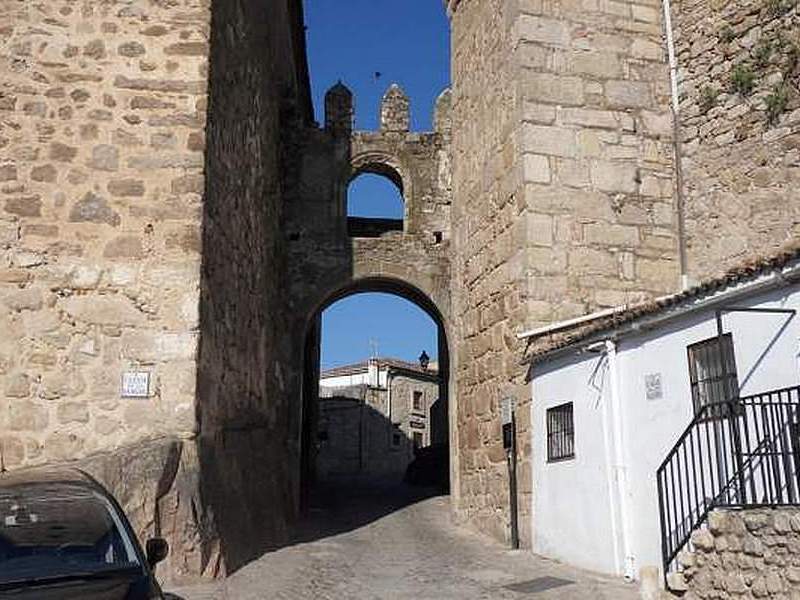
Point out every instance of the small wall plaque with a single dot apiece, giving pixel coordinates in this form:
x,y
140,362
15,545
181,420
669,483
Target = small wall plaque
x,y
136,384
652,386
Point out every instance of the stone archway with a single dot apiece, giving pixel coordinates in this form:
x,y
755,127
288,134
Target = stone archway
x,y
421,297
326,263
380,163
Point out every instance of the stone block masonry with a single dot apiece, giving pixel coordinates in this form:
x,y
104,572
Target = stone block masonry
x,y
102,117
563,201
741,145
489,239
248,382
108,194
167,205
742,554
596,140
102,120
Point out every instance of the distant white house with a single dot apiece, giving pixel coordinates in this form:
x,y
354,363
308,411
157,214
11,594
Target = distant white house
x,y
616,393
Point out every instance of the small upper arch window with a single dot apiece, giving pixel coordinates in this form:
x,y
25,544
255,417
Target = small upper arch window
x,y
375,204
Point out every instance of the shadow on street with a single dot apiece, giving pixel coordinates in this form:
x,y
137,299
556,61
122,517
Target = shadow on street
x,y
340,507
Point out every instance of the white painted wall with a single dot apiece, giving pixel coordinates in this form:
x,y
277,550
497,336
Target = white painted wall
x,y
766,349
572,505
353,379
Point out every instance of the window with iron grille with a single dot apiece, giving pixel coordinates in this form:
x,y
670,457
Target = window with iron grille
x,y
712,371
560,433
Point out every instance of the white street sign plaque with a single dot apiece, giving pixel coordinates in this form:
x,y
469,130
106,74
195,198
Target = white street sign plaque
x,y
652,386
135,384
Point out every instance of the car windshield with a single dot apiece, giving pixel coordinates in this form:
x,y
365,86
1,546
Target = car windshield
x,y
60,530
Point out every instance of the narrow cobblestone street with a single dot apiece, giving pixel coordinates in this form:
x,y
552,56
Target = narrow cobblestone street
x,y
389,543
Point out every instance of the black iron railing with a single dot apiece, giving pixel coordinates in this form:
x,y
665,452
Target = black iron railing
x,y
739,453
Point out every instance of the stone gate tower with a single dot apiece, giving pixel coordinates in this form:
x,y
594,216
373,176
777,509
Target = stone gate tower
x,y
170,212
601,155
562,200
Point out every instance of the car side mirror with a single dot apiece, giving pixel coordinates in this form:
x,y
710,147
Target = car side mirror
x,y
156,550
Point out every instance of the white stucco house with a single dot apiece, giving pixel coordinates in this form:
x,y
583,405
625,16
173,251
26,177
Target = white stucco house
x,y
622,393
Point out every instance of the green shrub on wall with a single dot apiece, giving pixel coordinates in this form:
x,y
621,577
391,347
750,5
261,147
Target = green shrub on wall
x,y
743,80
708,98
776,103
726,35
778,8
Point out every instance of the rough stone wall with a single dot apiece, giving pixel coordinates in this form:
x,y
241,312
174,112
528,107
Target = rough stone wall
x,y
563,178
741,168
341,450
359,429
742,554
395,113
104,210
247,398
489,233
102,114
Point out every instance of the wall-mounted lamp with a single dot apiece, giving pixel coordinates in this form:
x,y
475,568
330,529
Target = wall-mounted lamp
x,y
424,360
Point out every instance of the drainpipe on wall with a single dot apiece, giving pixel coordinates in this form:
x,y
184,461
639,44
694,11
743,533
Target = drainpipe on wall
x,y
389,395
676,134
608,447
620,468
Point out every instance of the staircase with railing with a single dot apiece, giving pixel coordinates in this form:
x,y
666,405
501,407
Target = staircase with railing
x,y
742,453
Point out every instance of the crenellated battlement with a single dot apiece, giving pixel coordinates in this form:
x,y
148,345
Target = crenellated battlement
x,y
395,110
339,109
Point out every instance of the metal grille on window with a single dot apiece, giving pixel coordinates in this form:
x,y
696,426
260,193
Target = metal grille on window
x,y
560,433
712,371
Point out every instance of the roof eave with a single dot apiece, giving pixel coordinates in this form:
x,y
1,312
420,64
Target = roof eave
x,y
785,276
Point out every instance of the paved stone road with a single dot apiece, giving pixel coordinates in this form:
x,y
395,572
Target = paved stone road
x,y
382,544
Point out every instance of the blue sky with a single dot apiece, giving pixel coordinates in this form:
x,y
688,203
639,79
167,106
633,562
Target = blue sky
x,y
399,328
406,41
374,196
368,45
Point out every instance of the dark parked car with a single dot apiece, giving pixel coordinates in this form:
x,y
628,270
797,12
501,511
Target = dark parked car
x,y
63,537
